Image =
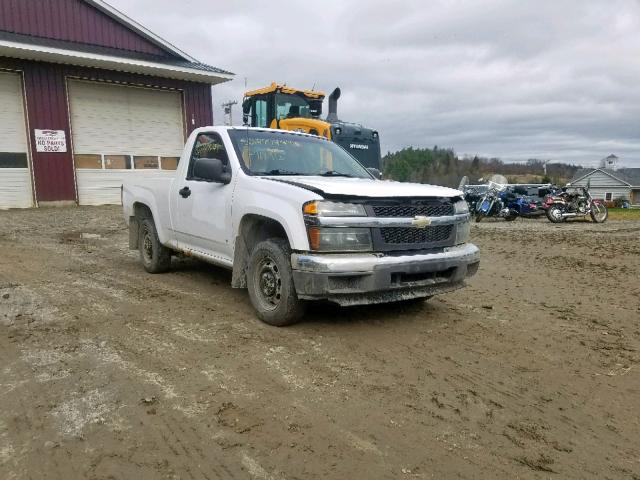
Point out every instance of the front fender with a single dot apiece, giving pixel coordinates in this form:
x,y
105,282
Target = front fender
x,y
291,220
277,201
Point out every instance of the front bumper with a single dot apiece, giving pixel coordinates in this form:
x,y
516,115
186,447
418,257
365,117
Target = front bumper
x,y
364,278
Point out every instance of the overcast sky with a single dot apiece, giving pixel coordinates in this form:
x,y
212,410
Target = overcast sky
x,y
549,79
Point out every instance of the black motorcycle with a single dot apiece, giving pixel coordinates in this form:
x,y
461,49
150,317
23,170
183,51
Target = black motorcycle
x,y
573,203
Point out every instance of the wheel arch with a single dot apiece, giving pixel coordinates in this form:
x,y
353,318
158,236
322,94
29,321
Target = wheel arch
x,y
253,229
140,211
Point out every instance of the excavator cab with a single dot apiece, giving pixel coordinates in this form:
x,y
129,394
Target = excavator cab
x,y
286,108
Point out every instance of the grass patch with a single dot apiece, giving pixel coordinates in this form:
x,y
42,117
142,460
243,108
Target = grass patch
x,y
630,214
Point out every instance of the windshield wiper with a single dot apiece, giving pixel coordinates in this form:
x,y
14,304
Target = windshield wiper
x,y
333,173
278,172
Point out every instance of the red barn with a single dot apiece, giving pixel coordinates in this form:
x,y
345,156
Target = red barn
x,y
88,96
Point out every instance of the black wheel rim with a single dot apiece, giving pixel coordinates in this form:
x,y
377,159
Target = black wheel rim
x,y
147,246
268,283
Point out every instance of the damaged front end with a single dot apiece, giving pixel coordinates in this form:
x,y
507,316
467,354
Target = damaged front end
x,y
398,249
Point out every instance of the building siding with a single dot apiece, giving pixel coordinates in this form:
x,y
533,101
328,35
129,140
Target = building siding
x,y
601,183
616,192
46,109
46,99
71,20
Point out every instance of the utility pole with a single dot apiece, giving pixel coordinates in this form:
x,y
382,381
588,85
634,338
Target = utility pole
x,y
228,110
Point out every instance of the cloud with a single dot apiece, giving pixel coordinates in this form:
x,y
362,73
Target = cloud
x,y
550,79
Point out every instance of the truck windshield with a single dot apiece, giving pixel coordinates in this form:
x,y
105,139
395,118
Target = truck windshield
x,y
264,152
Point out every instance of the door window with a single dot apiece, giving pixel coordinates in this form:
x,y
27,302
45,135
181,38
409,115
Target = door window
x,y
260,112
208,145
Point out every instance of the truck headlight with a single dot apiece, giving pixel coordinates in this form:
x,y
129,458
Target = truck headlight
x,y
334,209
340,239
461,206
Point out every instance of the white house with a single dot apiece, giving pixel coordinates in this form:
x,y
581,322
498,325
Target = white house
x,y
607,184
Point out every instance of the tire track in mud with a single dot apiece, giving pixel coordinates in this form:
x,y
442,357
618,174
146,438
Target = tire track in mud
x,y
49,453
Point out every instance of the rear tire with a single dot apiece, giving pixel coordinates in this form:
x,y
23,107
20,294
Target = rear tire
x,y
270,284
479,217
155,257
510,218
554,214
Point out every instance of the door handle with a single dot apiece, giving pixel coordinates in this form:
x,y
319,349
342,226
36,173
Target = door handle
x,y
184,192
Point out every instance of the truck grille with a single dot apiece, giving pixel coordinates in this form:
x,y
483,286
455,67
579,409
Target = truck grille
x,y
398,239
404,236
430,210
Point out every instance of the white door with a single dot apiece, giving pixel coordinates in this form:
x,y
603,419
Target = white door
x,y
15,177
121,132
200,210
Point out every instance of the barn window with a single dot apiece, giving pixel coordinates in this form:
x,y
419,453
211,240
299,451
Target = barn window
x,y
88,161
117,162
145,162
169,163
608,196
13,160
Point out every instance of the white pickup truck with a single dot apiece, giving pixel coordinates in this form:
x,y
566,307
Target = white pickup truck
x,y
297,218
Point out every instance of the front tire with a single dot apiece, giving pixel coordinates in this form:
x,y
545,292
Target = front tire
x,y
270,284
599,213
155,257
554,214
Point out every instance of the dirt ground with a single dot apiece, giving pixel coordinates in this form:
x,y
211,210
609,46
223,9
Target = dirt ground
x,y
108,372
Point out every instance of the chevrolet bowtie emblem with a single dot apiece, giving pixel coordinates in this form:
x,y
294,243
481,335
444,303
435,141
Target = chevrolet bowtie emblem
x,y
421,222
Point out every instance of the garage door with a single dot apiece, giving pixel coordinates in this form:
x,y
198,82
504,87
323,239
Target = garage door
x,y
122,132
15,178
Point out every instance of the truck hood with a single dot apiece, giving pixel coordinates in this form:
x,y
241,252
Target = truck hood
x,y
362,187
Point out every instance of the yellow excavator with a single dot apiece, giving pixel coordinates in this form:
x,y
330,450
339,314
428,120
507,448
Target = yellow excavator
x,y
287,108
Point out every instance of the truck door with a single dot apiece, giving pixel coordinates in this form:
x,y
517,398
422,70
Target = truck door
x,y
201,212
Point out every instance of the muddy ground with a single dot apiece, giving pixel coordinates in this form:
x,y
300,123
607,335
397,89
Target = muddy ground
x,y
108,372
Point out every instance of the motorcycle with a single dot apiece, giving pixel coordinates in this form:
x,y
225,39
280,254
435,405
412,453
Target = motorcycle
x,y
520,204
492,203
577,203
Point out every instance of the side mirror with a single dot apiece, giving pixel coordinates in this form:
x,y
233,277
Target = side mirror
x,y
375,172
246,110
588,183
211,170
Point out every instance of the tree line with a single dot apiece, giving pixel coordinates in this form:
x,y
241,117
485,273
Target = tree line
x,y
441,166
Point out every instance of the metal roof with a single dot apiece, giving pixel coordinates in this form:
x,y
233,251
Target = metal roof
x,y
82,54
630,176
131,24
169,61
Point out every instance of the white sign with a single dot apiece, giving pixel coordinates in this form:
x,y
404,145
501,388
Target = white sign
x,y
50,141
